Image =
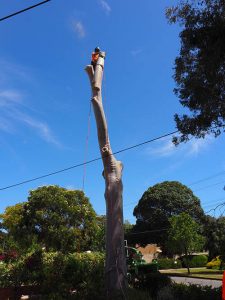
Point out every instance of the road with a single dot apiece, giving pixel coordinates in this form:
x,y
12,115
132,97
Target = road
x,y
199,281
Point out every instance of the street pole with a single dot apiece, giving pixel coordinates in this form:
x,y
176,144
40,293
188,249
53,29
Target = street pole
x,y
115,267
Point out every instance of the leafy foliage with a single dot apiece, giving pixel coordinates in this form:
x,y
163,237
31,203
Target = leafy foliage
x,y
184,236
55,218
195,292
169,263
154,282
195,261
200,66
157,205
60,276
214,231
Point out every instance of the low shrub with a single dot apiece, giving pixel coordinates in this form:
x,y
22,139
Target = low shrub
x,y
169,263
215,263
4,275
154,282
75,276
134,294
195,292
60,276
166,294
189,292
195,261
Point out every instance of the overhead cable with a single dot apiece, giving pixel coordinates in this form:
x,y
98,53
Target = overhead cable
x,y
87,162
23,10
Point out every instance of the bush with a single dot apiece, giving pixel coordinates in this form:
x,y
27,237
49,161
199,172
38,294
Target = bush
x,y
189,292
165,294
154,282
169,263
215,263
4,275
195,292
195,261
71,276
134,294
75,276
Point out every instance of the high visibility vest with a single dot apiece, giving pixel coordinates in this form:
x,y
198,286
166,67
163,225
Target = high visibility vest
x,y
94,56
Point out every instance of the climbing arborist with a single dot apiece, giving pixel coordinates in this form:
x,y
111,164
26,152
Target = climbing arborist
x,y
94,57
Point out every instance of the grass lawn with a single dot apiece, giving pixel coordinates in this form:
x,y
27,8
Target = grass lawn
x,y
195,273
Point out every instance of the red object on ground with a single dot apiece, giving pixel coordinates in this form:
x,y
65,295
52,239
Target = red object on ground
x,y
223,287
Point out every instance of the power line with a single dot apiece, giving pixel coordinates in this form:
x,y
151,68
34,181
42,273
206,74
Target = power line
x,y
207,178
87,162
211,203
214,184
156,230
23,10
214,209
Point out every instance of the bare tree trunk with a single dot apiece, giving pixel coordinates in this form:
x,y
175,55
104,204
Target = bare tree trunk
x,y
115,269
187,261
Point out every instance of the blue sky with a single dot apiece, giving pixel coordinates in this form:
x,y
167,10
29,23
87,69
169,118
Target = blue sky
x,y
45,98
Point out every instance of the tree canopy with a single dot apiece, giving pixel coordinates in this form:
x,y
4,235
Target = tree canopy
x,y
55,218
184,235
200,67
214,231
158,204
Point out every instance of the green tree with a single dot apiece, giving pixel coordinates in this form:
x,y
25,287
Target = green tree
x,y
99,244
55,218
183,236
128,229
10,218
214,232
200,67
157,205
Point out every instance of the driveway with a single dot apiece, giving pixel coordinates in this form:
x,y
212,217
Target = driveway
x,y
202,282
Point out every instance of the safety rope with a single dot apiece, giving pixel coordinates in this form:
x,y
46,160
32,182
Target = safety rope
x,y
86,146
88,131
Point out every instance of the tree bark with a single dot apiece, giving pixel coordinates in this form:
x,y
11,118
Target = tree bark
x,y
187,261
115,268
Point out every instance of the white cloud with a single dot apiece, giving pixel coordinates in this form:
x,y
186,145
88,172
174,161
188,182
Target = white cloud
x,y
6,126
9,97
78,28
105,6
165,147
41,128
197,145
12,114
10,71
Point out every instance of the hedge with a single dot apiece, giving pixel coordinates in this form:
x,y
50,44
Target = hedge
x,y
195,261
169,263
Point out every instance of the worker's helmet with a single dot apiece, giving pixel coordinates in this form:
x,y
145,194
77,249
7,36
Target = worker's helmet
x,y
97,49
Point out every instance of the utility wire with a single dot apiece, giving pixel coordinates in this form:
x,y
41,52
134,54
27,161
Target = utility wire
x,y
23,10
208,186
214,209
88,162
207,178
156,230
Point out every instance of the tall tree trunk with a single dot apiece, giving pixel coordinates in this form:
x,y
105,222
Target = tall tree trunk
x,y
115,269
